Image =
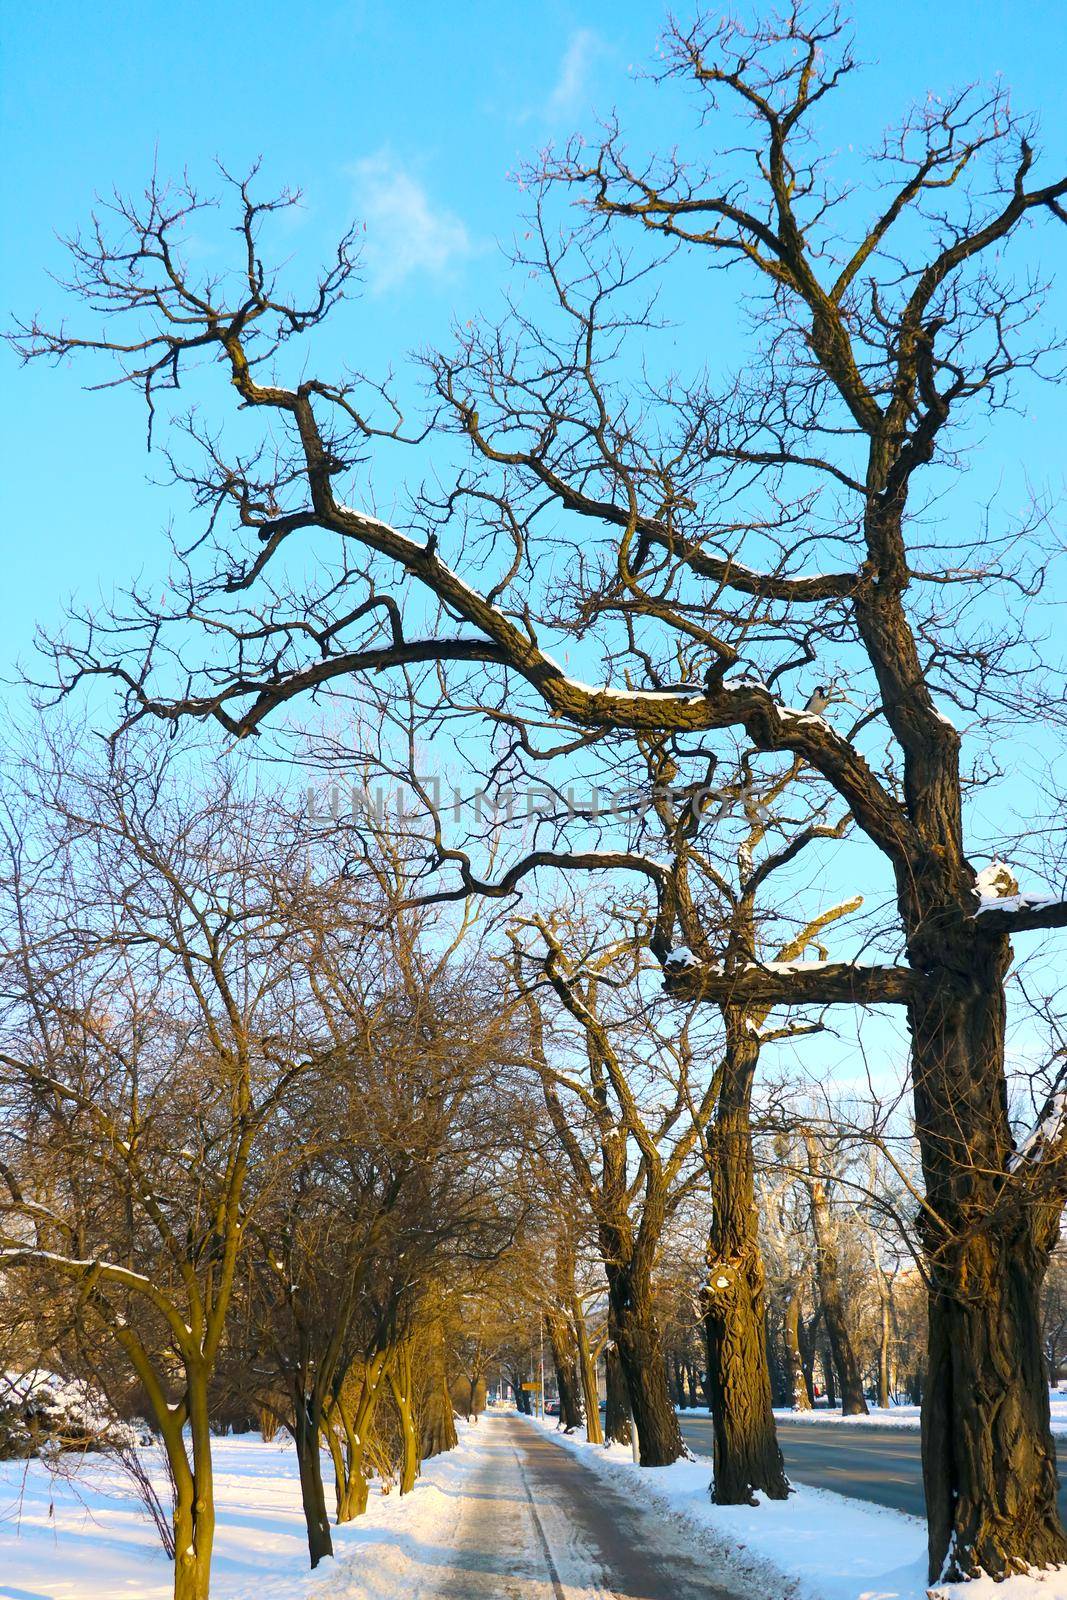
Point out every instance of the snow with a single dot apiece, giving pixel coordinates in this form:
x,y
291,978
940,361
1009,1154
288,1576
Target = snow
x,y
86,1537
64,1406
1045,1133
814,1546
902,1416
681,956
998,890
89,1538
1018,902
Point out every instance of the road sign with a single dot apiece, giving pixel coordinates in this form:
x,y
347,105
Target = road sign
x,y
532,1388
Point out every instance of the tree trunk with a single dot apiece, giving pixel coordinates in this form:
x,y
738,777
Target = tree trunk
x,y
691,1380
401,1389
194,1500
337,1457
806,1338
358,1422
781,1395
617,1410
989,1464
800,1398
829,1376
637,1338
437,1423
842,1350
745,1444
594,1433
522,1397
565,1361
306,1429
885,1340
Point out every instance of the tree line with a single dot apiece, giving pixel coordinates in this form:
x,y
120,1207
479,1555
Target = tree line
x,y
794,674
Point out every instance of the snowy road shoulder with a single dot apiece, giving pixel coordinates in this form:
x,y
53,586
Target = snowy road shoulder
x,y
816,1545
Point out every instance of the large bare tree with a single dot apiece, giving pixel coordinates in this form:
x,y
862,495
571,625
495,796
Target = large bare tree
x,y
722,538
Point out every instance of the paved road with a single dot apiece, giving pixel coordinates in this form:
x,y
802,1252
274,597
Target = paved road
x,y
535,1524
868,1462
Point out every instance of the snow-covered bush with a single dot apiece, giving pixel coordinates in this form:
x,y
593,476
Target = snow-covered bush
x,y
42,1413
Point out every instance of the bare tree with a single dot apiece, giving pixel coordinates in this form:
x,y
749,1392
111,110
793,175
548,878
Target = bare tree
x,y
771,521
153,982
620,1081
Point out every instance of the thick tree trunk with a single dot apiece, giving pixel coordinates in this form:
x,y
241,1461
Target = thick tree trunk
x,y
842,1350
437,1423
989,1464
617,1409
800,1396
745,1443
638,1340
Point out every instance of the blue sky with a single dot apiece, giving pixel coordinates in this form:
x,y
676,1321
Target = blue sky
x,y
410,117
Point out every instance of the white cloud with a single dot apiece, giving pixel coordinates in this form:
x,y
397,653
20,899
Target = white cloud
x,y
583,47
406,233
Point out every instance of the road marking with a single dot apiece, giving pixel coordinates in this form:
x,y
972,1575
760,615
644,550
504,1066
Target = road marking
x,y
553,1573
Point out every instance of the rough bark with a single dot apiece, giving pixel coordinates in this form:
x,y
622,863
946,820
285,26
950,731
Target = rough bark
x,y
745,1444
559,1323
989,1464
640,1348
356,1415
617,1409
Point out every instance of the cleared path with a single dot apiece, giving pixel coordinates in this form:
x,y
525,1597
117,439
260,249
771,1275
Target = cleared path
x,y
866,1461
535,1524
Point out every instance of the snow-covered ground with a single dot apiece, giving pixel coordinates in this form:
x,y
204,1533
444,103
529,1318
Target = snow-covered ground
x,y
903,1416
827,1546
908,1416
89,1539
